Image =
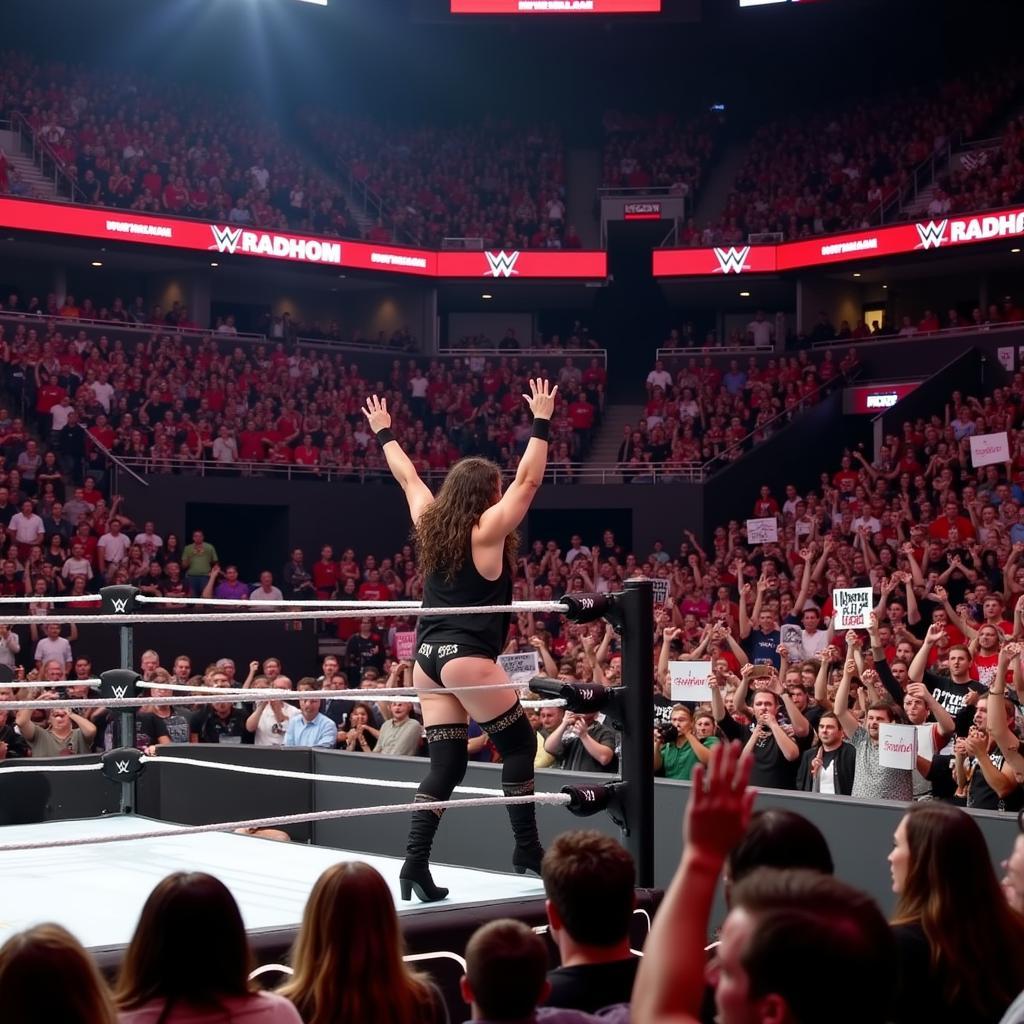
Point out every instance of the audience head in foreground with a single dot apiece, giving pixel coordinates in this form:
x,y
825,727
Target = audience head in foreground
x,y
506,972
45,971
347,957
777,838
960,943
589,880
779,918
190,954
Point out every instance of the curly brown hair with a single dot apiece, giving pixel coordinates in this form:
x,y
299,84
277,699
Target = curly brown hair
x,y
446,525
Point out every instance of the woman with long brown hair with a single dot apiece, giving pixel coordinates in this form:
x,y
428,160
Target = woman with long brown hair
x,y
189,960
347,958
960,945
45,974
467,549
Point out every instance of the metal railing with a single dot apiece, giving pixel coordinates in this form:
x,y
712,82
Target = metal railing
x,y
921,177
581,354
564,473
88,323
714,350
116,463
45,158
889,339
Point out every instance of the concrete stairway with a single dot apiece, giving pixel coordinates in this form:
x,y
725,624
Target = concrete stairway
x,y
917,208
39,185
718,182
605,448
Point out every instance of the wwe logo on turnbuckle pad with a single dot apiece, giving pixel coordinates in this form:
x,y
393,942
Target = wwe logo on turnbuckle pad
x,y
122,767
120,605
119,691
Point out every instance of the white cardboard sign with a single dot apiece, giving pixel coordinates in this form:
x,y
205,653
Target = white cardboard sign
x,y
762,531
897,746
987,449
852,607
660,591
520,668
690,680
925,746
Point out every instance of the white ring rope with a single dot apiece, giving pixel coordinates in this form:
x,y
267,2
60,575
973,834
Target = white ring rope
x,y
8,767
229,602
213,695
59,599
48,684
247,615
551,799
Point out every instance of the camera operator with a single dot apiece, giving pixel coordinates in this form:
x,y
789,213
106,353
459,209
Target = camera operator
x,y
677,748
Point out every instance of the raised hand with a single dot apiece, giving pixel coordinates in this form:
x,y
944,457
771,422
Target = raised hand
x,y
541,398
720,802
376,412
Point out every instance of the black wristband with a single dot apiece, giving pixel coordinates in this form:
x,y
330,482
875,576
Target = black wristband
x,y
541,429
384,435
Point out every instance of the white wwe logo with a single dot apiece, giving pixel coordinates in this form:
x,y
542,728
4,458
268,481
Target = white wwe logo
x,y
225,239
502,264
120,605
932,234
119,691
732,260
122,767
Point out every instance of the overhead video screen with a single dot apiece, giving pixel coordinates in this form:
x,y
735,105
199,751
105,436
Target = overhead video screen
x,y
555,6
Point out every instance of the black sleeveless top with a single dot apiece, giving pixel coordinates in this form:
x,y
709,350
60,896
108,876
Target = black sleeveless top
x,y
483,633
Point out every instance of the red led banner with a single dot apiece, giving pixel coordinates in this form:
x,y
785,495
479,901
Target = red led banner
x,y
234,239
898,240
555,6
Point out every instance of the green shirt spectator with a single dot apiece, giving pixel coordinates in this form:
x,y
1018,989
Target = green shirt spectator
x,y
680,761
678,758
199,557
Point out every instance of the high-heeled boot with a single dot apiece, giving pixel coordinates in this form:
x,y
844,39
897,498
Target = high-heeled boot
x,y
415,875
528,853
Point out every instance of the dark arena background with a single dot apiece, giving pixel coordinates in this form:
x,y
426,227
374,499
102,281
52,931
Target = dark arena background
x,y
770,251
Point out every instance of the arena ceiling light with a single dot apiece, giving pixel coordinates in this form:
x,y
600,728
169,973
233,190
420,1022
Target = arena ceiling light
x,y
856,273
744,295
486,295
96,263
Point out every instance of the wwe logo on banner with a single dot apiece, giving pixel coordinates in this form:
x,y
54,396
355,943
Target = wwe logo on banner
x,y
120,605
501,264
732,260
225,239
122,767
932,234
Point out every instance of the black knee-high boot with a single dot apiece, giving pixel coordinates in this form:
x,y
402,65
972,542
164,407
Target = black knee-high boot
x,y
447,747
516,741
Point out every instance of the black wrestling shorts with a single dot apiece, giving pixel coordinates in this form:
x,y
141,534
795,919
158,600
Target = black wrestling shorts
x,y
432,657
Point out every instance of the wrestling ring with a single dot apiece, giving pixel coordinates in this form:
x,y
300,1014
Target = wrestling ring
x,y
92,875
